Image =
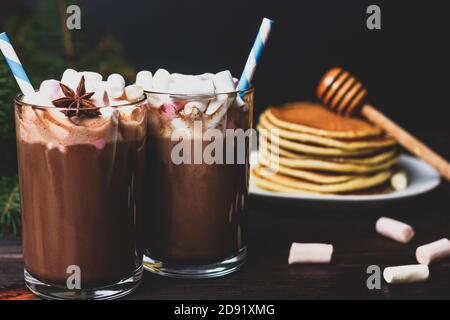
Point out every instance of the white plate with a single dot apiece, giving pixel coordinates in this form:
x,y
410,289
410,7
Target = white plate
x,y
422,178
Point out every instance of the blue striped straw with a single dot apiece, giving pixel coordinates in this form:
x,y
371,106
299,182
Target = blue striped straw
x,y
255,54
15,65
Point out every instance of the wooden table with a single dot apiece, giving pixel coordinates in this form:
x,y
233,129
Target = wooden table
x,y
268,276
275,225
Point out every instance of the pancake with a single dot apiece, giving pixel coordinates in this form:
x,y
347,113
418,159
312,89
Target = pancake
x,y
375,158
265,178
307,117
367,143
313,149
317,177
325,165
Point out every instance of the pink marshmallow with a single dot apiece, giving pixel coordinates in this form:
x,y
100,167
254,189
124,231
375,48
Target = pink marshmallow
x,y
307,253
434,251
99,144
394,230
170,110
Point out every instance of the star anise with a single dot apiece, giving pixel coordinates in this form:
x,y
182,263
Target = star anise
x,y
77,103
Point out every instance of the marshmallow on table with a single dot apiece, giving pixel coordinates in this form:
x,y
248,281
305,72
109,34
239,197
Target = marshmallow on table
x,y
145,80
133,92
434,251
161,81
406,274
394,230
51,89
310,253
115,85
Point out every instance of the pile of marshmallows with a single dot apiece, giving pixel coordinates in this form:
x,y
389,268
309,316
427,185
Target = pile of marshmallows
x,y
390,228
113,91
213,91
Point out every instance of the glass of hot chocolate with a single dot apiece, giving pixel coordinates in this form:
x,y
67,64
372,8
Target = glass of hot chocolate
x,y
81,160
197,171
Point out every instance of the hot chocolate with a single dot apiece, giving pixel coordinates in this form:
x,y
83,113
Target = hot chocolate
x,y
81,179
194,220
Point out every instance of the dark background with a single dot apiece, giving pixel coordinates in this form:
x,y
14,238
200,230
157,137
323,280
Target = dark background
x,y
404,65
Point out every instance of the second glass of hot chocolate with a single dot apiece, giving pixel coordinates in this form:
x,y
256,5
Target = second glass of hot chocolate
x,y
197,170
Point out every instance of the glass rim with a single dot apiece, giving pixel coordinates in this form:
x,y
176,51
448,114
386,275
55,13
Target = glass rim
x,y
18,100
190,96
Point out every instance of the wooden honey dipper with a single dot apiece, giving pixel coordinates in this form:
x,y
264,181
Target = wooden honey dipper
x,y
346,95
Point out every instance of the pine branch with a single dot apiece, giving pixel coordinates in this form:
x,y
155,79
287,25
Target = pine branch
x,y
9,206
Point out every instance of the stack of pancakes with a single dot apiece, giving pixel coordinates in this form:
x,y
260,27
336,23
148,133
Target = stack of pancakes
x,y
304,147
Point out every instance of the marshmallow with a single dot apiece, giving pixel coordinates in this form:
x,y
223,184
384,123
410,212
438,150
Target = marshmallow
x,y
134,92
206,76
223,82
306,253
399,180
200,105
161,81
115,85
145,80
100,97
194,87
170,110
394,230
214,105
90,76
406,274
51,89
71,78
178,77
434,251
37,99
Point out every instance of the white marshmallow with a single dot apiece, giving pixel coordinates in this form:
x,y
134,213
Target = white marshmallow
x,y
434,251
134,92
37,99
310,253
194,87
399,180
406,274
145,80
161,81
221,100
115,85
100,97
223,82
207,76
90,76
394,230
178,77
200,105
51,89
71,78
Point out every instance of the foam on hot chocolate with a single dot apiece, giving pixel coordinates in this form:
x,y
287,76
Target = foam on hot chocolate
x,y
41,121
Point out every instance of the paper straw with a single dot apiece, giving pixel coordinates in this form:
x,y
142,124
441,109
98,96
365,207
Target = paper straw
x,y
255,54
15,65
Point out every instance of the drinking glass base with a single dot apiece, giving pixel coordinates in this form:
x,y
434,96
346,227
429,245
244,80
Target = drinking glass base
x,y
213,270
114,291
